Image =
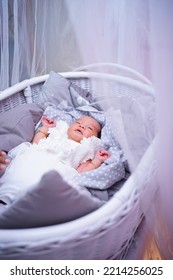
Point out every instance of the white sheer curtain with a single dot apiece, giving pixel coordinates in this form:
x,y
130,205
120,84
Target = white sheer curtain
x,y
33,39
37,36
160,216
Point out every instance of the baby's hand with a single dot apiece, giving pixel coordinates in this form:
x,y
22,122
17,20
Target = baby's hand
x,y
3,160
102,155
48,122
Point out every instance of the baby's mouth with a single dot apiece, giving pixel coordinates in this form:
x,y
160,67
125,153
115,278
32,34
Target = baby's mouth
x,y
79,131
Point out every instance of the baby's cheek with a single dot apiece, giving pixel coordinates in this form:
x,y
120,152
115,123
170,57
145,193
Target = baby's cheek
x,y
85,134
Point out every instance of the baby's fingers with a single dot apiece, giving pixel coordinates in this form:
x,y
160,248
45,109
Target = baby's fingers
x,y
2,154
48,122
3,160
2,167
51,122
104,153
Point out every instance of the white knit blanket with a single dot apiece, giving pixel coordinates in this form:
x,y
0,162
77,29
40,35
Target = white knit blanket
x,y
68,151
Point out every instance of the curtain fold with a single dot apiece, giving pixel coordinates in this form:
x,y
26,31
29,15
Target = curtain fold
x,y
4,44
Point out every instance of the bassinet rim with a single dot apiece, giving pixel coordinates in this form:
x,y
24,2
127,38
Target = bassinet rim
x,y
35,80
116,66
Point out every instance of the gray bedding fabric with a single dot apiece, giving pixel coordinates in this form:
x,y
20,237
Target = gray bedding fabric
x,y
59,90
18,125
52,201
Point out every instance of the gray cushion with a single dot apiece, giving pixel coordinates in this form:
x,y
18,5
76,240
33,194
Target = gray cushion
x,y
58,89
18,125
52,201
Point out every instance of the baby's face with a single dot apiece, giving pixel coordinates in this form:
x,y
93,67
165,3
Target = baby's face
x,y
83,127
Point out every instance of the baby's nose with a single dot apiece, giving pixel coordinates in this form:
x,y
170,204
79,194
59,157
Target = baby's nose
x,y
82,125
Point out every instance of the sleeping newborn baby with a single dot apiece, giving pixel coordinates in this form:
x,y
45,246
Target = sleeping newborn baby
x,y
56,146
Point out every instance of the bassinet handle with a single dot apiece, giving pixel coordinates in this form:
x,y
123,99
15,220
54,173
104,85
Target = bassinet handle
x,y
117,68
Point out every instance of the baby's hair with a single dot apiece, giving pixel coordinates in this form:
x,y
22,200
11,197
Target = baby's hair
x,y
99,134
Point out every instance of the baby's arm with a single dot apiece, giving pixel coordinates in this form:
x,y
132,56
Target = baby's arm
x,y
89,165
43,131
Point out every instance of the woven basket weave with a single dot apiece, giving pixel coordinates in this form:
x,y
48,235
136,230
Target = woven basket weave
x,y
107,232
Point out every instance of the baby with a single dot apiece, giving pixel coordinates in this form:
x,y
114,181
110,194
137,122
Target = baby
x,y
85,127
68,149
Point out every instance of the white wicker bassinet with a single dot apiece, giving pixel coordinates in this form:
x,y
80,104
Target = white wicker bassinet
x,y
107,232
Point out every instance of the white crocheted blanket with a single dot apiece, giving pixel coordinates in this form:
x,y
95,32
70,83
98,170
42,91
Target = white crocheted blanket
x,y
68,151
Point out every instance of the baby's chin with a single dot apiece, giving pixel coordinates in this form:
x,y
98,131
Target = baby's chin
x,y
76,137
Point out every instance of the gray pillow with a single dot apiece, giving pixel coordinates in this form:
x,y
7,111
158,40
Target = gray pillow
x,y
18,125
52,201
58,89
